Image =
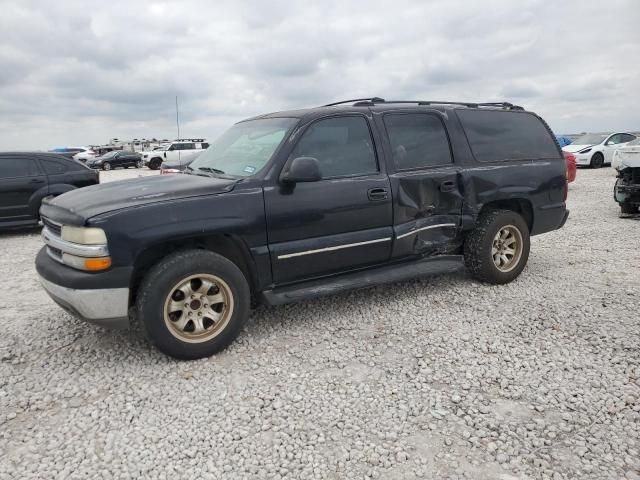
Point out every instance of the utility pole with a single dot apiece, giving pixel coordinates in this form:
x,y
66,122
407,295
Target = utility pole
x,y
177,118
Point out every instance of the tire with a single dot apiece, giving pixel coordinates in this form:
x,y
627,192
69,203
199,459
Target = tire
x,y
139,164
481,241
628,209
154,163
106,166
126,166
172,329
597,161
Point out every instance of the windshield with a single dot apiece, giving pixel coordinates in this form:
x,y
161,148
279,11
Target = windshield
x,y
589,139
245,148
110,154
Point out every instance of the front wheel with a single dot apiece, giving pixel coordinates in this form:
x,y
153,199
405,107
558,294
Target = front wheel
x,y
154,163
139,164
106,166
628,209
497,249
597,161
193,303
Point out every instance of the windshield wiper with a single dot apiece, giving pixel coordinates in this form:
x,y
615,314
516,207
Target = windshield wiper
x,y
211,170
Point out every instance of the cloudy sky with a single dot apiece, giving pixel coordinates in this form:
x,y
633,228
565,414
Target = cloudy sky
x,y
81,72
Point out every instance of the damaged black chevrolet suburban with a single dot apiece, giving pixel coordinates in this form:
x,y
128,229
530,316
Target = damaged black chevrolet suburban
x,y
293,205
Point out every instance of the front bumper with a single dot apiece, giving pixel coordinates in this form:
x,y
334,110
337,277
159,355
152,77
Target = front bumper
x,y
100,298
583,158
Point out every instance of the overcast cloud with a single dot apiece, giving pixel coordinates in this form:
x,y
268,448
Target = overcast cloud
x,y
81,72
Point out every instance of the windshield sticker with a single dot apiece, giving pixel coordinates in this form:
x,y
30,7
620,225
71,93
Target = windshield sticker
x,y
249,169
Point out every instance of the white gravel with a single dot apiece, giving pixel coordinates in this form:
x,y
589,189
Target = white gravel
x,y
437,378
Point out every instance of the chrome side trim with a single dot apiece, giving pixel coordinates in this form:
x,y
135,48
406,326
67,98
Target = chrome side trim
x,y
429,227
330,249
73,248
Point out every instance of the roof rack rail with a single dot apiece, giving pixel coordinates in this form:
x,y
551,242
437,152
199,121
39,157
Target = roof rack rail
x,y
363,102
367,101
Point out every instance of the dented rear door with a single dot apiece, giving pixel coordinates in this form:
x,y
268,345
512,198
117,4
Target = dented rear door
x,y
427,196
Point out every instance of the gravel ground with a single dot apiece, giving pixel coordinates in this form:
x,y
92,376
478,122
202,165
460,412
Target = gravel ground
x,y
436,378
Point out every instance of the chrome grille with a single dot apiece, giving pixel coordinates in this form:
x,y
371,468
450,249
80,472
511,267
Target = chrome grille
x,y
53,227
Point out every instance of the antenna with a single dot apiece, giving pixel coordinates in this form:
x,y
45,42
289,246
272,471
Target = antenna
x,y
177,117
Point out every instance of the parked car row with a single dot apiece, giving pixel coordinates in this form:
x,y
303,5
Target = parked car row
x,y
595,149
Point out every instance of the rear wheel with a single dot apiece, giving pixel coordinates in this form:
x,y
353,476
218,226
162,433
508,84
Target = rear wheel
x,y
139,164
106,166
193,303
154,163
497,249
597,161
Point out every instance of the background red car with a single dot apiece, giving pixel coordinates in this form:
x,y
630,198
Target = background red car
x,y
570,160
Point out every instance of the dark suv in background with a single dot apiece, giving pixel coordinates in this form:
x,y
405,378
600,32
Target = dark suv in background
x,y
27,178
293,205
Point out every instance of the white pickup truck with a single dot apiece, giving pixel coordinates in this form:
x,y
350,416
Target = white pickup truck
x,y
178,151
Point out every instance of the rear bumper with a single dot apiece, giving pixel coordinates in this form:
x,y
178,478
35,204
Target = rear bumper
x,y
549,217
100,298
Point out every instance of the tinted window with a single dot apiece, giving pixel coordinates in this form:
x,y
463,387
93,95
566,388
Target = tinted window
x,y
627,138
205,145
52,167
188,146
17,167
500,135
417,140
343,146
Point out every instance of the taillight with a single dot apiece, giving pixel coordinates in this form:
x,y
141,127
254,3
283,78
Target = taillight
x,y
168,170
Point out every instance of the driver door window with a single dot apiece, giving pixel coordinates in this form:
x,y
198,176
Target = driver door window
x,y
342,146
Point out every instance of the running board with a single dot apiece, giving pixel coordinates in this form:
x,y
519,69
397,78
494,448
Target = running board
x,y
363,279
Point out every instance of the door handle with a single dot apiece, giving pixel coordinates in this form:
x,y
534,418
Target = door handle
x,y
36,180
447,186
375,194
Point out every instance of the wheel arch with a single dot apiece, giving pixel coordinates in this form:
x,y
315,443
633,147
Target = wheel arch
x,y
229,246
522,206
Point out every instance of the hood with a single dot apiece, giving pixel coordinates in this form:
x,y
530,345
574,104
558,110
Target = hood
x,y
76,206
628,157
575,148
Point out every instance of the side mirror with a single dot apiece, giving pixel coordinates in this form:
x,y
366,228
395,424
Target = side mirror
x,y
165,154
302,169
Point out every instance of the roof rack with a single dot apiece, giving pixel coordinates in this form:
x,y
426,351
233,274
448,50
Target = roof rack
x,y
357,101
364,102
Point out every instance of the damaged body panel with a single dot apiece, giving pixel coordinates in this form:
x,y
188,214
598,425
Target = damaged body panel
x,y
627,187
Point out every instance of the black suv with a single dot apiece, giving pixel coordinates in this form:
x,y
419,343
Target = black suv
x,y
293,205
27,178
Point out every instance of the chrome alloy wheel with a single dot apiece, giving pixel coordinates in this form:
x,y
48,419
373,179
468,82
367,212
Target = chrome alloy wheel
x,y
506,249
198,308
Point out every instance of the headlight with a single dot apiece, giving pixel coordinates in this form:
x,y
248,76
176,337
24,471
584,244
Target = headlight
x,y
84,235
585,150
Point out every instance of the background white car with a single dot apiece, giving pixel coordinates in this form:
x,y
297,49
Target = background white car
x,y
629,151
179,151
85,154
595,149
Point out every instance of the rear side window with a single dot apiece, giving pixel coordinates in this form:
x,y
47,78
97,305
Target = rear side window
x,y
342,146
53,167
17,167
502,136
418,140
